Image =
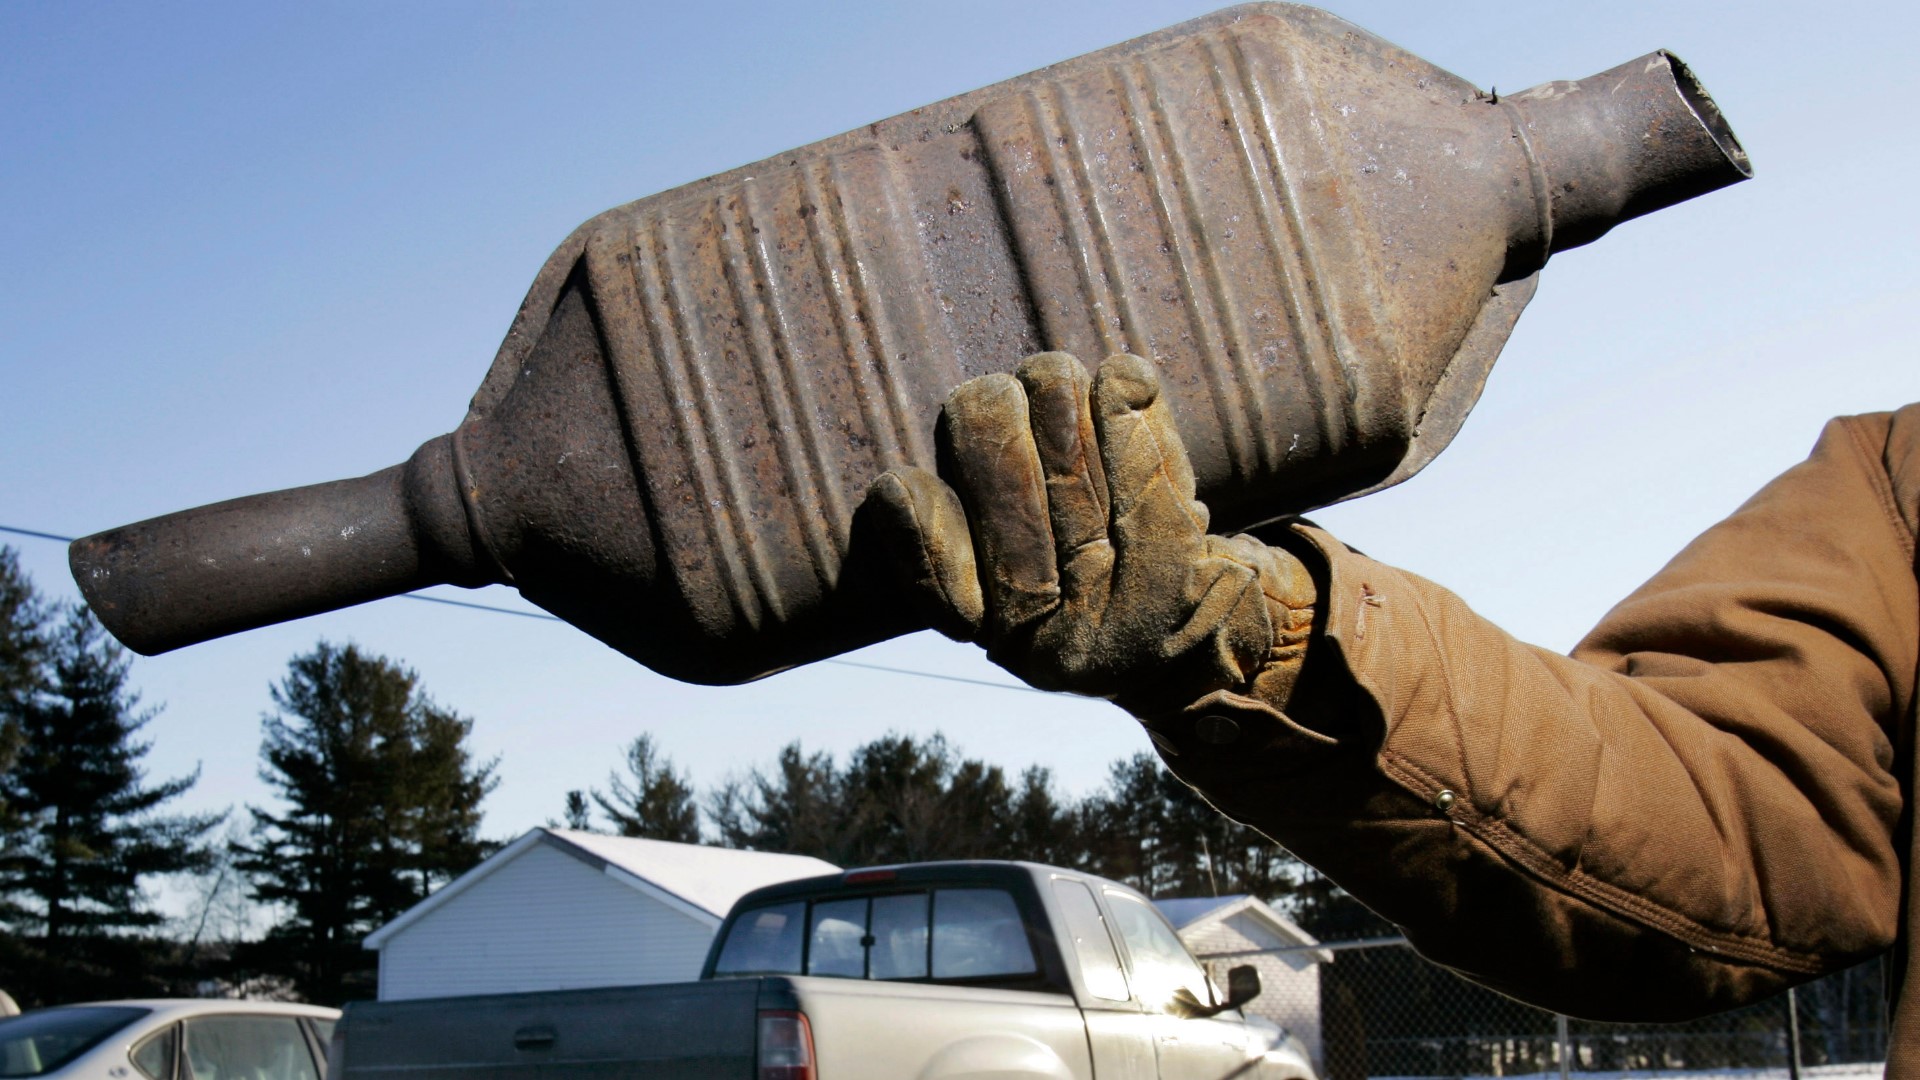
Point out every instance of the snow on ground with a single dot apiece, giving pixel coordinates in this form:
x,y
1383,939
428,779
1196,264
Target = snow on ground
x,y
1870,1070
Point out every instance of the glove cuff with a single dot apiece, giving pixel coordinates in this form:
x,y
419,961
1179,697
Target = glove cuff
x,y
1249,636
1289,592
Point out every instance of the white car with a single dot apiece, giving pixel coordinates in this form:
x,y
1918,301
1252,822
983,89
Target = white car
x,y
169,1039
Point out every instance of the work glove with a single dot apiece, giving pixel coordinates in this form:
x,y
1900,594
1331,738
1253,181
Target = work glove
x,y
1075,550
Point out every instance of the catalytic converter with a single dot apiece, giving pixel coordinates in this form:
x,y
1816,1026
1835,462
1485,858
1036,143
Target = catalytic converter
x,y
1322,240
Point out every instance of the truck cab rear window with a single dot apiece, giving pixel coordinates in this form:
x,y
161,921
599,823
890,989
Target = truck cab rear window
x,y
942,934
765,941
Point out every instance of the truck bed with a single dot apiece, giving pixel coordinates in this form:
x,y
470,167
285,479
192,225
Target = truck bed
x,y
668,1031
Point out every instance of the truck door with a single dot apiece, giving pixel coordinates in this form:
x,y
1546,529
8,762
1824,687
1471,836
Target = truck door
x,y
1117,1033
1188,1048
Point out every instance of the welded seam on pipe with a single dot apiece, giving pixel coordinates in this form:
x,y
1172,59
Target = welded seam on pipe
x,y
1542,184
470,504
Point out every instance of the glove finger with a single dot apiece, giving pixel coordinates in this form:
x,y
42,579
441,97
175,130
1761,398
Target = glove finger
x,y
997,471
1156,519
1061,415
924,531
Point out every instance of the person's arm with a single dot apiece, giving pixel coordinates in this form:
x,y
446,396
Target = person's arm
x,y
1696,809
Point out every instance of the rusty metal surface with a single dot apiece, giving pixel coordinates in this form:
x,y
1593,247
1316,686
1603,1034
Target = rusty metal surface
x,y
1321,239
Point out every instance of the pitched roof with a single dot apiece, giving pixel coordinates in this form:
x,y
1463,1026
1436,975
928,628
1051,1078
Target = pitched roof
x,y
700,881
710,878
1192,916
1182,911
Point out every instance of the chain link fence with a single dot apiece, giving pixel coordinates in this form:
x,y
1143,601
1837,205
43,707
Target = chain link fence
x,y
1368,1010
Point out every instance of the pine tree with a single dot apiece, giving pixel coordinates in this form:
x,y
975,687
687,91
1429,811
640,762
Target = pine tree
x,y
578,815
382,806
916,799
86,828
1122,826
23,635
899,799
1153,832
1043,828
90,830
653,800
444,789
23,657
797,809
897,792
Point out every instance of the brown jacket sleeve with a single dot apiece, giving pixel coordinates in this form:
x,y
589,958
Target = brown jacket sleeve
x,y
1699,807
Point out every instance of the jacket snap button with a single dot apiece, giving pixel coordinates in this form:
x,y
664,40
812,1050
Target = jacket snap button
x,y
1216,729
1445,800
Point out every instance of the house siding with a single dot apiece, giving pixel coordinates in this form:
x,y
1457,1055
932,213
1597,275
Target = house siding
x,y
1289,982
543,921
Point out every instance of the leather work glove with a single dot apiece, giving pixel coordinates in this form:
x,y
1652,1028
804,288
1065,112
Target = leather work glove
x,y
1075,551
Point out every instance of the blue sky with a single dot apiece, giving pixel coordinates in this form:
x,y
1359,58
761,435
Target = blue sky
x,y
252,246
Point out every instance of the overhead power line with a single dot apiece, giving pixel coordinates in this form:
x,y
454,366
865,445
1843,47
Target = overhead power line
x,y
38,535
483,607
948,678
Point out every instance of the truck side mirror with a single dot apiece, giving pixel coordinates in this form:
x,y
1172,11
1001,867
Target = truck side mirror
x,y
1243,985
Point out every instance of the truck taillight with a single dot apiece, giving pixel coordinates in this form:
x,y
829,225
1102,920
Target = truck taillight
x,y
786,1046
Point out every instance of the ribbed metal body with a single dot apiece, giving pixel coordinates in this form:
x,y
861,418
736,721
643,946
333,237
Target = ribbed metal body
x,y
779,335
1321,239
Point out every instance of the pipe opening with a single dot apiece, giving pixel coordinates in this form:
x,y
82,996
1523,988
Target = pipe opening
x,y
1700,103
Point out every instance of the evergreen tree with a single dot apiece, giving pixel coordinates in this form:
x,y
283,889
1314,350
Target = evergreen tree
x,y
1122,828
23,635
23,657
795,809
443,789
578,815
902,806
899,799
905,799
382,805
653,800
90,831
1153,832
915,799
1043,828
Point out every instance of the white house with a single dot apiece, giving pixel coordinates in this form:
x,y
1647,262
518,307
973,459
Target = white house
x,y
1216,928
558,909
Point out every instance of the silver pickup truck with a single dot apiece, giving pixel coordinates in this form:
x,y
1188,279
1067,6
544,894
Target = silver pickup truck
x,y
958,969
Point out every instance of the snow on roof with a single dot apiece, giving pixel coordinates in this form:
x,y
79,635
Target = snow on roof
x,y
1190,915
710,878
702,881
1183,911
